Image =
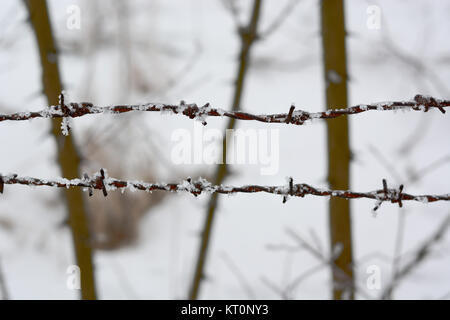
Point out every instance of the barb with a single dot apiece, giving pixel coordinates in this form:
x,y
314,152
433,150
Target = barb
x,y
101,181
2,184
395,196
192,111
291,188
65,123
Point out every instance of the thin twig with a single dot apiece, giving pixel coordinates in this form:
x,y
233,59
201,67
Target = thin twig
x,y
338,155
303,276
400,234
419,256
239,276
274,287
385,163
248,36
445,296
345,282
230,5
324,261
3,288
66,149
280,19
123,280
420,173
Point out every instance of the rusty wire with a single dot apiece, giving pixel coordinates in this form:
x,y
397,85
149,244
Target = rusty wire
x,y
192,111
102,182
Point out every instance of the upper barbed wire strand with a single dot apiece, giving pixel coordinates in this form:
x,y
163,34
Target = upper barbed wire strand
x,y
192,111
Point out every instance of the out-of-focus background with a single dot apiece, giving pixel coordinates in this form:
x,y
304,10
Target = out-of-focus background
x,y
145,246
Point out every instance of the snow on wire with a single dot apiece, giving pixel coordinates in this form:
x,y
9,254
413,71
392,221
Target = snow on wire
x,y
192,111
102,181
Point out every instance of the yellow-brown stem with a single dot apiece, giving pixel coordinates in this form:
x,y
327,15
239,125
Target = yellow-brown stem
x,y
67,154
248,36
335,68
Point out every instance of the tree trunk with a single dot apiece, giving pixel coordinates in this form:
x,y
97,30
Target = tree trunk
x,y
334,57
67,153
248,36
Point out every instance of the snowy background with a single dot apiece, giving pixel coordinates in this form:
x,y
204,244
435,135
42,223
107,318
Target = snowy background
x,y
166,51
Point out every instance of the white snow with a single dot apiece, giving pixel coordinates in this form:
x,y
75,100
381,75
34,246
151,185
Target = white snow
x,y
35,254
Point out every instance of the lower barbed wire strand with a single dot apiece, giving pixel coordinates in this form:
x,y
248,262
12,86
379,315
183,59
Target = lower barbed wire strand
x,y
102,181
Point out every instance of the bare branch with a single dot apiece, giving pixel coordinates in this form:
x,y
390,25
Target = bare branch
x,y
3,289
274,287
303,276
280,19
417,175
239,276
385,163
248,35
230,5
346,280
419,256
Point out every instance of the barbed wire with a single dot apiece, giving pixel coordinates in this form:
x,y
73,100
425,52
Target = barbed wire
x,y
102,181
192,111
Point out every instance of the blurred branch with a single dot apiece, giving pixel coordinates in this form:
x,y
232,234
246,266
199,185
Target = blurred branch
x,y
302,277
239,276
230,5
385,163
67,152
248,36
272,286
178,77
445,296
398,245
374,255
124,282
3,289
421,68
287,291
346,282
413,178
419,256
420,173
280,19
414,137
338,155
